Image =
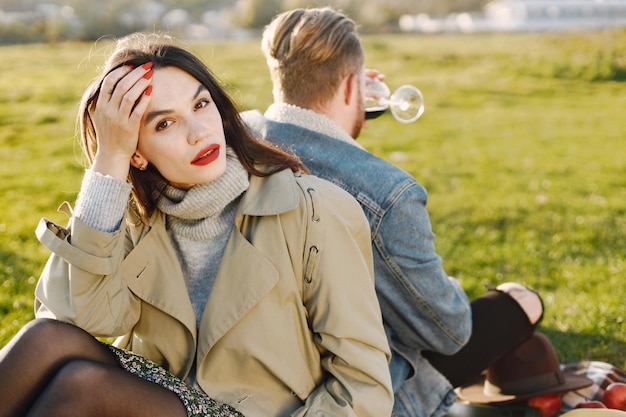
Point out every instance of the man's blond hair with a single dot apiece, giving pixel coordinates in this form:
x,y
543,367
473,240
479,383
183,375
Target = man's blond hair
x,y
309,52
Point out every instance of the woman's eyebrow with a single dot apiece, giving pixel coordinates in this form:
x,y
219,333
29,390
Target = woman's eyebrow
x,y
201,88
154,114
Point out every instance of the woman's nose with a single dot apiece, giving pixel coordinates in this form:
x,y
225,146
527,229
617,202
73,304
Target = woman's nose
x,y
197,132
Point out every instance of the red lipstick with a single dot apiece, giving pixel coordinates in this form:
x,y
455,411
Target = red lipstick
x,y
207,155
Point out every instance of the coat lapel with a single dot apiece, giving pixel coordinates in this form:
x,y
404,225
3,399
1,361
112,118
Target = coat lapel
x,y
158,280
246,275
242,282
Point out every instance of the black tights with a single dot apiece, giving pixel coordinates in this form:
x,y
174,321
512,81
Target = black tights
x,y
56,369
498,326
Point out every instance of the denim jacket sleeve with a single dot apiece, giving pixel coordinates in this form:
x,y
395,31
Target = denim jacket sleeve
x,y
424,307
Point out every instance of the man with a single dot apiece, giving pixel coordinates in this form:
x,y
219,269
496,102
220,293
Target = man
x,y
438,339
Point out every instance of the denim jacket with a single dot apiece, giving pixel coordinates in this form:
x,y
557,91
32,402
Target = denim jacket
x,y
423,308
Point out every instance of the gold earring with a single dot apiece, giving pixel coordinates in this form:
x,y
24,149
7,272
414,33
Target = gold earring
x,y
143,167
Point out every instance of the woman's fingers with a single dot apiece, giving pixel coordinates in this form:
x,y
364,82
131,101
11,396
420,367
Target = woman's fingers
x,y
110,83
125,85
124,96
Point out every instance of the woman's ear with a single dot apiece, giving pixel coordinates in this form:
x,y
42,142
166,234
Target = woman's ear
x,y
138,162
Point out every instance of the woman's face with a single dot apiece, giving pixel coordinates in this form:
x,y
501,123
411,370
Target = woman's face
x,y
181,131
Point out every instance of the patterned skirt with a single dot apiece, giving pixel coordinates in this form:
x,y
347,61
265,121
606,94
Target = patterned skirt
x,y
197,403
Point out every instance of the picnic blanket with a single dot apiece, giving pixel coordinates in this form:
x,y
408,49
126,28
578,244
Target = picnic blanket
x,y
601,373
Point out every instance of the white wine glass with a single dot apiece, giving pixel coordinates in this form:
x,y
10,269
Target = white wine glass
x,y
406,103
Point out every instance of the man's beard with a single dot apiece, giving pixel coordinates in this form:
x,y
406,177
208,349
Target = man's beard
x,y
359,117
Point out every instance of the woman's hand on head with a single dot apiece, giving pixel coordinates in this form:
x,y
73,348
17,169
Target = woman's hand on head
x,y
117,114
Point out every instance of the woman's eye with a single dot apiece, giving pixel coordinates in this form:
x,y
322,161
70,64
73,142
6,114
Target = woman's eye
x,y
202,103
163,124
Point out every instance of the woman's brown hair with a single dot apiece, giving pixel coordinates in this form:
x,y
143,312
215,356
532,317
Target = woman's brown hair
x,y
259,158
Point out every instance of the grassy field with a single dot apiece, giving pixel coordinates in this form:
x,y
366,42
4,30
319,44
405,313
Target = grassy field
x,y
521,149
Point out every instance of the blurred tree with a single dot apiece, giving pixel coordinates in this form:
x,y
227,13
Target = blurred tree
x,y
112,17
17,5
370,15
97,18
196,7
18,33
254,13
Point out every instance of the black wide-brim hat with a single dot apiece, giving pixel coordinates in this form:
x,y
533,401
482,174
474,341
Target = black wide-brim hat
x,y
531,370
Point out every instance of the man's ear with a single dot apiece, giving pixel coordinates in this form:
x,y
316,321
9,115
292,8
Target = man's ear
x,y
349,87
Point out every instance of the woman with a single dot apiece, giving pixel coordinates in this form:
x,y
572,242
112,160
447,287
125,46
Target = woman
x,y
205,252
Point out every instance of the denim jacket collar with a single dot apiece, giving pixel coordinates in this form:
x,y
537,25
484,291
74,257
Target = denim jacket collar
x,y
308,119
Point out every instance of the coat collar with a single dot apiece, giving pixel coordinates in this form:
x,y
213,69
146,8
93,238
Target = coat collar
x,y
271,195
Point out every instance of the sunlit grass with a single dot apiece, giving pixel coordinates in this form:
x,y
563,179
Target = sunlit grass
x,y
521,149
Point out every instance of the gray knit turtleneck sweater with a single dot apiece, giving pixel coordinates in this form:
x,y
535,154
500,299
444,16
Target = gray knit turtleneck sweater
x,y
198,221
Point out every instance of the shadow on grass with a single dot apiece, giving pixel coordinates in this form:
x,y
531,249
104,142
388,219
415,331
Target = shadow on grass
x,y
586,346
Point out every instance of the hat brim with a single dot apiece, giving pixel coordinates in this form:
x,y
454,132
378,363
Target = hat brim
x,y
475,392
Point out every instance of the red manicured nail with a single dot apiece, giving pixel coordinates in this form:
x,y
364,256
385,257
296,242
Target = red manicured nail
x,y
148,74
147,65
131,66
148,90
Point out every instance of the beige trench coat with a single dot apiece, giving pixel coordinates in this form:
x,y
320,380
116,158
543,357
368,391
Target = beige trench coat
x,y
292,325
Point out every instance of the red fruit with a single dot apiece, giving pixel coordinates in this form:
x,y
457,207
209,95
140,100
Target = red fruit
x,y
590,404
548,405
615,396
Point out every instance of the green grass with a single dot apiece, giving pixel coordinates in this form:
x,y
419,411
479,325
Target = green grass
x,y
521,149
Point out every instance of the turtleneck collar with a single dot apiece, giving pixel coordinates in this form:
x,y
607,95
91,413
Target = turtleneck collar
x,y
205,210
